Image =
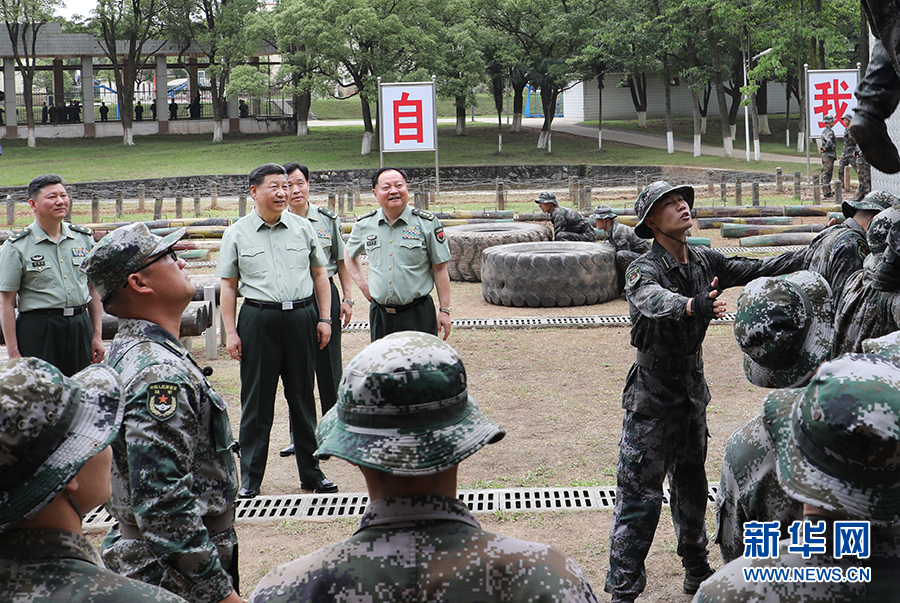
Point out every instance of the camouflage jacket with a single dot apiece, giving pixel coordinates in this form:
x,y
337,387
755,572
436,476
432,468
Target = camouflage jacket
x,y
828,145
172,460
850,147
749,489
657,288
52,566
426,548
569,220
836,253
728,583
623,238
864,312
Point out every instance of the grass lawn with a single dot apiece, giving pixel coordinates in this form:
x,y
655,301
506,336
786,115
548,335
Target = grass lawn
x,y
99,159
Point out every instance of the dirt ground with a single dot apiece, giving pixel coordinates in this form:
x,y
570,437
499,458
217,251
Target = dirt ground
x,y
557,392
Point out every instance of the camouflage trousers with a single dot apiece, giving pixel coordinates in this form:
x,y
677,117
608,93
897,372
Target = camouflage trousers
x,y
827,173
650,449
864,173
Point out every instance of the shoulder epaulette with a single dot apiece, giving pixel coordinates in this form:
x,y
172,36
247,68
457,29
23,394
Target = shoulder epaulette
x,y
368,214
327,212
19,235
422,213
81,229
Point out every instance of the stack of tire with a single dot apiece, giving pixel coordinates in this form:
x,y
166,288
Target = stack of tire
x,y
467,241
549,274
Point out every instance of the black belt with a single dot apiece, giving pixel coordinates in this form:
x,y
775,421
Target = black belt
x,y
58,311
657,363
215,524
404,307
291,305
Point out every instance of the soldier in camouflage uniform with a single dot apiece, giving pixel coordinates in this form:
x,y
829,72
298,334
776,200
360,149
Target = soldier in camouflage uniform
x,y
870,307
784,327
54,465
828,149
405,417
671,293
850,155
568,224
174,475
838,251
878,92
837,450
627,244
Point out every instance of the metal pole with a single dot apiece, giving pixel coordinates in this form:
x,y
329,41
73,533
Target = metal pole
x,y
746,106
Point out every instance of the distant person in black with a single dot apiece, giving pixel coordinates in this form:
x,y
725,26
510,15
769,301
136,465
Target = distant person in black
x,y
139,112
104,111
45,113
153,110
195,107
243,108
173,110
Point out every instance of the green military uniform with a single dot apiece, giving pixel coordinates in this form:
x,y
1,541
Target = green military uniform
x,y
174,478
277,327
53,322
329,365
401,256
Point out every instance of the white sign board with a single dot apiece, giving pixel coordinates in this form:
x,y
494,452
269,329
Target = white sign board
x,y
830,91
408,117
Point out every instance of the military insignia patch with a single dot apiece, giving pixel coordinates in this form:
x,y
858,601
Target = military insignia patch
x,y
323,233
439,234
862,249
79,252
371,241
412,232
163,400
37,261
632,276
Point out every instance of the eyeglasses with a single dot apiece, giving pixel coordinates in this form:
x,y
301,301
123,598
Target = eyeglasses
x,y
170,252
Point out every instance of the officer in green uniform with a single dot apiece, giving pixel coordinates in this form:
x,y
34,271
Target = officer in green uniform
x,y
274,260
174,473
408,257
60,317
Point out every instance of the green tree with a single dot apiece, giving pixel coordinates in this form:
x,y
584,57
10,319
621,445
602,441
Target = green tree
x,y
24,20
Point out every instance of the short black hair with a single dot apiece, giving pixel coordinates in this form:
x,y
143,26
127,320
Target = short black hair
x,y
267,169
388,169
293,167
35,186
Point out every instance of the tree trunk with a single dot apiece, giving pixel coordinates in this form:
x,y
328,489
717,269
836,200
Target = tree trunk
x,y
600,111
461,116
32,138
128,137
217,130
518,107
667,87
727,139
302,106
762,107
367,143
368,131
542,139
549,94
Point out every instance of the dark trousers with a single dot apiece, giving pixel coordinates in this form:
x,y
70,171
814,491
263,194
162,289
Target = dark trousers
x,y
421,317
63,341
652,448
329,366
277,343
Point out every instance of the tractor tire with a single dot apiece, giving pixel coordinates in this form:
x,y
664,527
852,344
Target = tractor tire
x,y
549,274
467,241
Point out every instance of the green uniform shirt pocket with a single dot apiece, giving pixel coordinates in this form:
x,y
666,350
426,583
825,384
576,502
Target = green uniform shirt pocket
x,y
297,256
252,260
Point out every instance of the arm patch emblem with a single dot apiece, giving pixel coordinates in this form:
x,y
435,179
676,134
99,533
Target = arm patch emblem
x,y
632,277
439,234
162,400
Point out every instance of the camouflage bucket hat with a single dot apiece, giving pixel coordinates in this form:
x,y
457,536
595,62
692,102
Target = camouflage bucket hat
x,y
603,211
404,408
839,448
547,198
888,346
880,226
650,195
121,253
50,426
783,325
875,201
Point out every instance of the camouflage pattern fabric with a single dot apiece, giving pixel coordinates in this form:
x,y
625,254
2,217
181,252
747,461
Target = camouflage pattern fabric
x,y
876,201
848,155
652,193
728,584
404,408
836,253
172,466
826,175
570,225
650,449
623,238
887,345
748,488
784,327
426,548
49,566
864,312
881,224
50,426
864,175
603,211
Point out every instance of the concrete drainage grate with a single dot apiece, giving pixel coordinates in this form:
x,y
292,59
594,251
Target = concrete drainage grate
x,y
326,507
537,322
